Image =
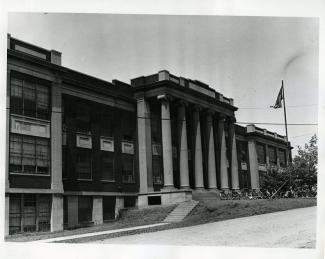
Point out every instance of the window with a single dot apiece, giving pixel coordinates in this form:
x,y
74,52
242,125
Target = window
x,y
83,164
260,149
15,214
64,162
282,157
272,155
128,147
157,170
85,205
107,123
127,126
109,207
108,166
128,169
29,212
84,141
44,213
30,98
107,144
83,112
29,154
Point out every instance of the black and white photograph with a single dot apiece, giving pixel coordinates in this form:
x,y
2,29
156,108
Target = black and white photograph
x,y
125,129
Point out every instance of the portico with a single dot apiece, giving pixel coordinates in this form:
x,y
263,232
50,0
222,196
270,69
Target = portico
x,y
205,160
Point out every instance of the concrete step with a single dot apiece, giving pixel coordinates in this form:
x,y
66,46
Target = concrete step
x,y
181,211
205,195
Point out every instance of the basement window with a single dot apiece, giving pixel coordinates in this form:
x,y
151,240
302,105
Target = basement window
x,y
154,200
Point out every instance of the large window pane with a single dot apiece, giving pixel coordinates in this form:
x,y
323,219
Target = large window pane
x,y
29,154
272,155
260,149
29,212
108,166
83,163
85,205
128,168
282,157
44,213
29,98
14,214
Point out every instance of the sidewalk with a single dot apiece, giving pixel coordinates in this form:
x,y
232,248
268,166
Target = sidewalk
x,y
56,239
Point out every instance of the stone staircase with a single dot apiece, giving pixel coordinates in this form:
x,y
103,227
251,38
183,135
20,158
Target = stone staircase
x,y
205,195
181,211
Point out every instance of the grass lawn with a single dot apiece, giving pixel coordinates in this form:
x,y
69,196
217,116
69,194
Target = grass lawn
x,y
204,212
128,218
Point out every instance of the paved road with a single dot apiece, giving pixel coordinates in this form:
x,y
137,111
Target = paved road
x,y
292,228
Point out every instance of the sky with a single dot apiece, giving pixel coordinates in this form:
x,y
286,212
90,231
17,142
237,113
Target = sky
x,y
244,58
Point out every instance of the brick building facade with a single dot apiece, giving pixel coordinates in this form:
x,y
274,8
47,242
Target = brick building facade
x,y
79,149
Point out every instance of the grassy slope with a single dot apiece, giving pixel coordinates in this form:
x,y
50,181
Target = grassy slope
x,y
212,211
208,211
128,218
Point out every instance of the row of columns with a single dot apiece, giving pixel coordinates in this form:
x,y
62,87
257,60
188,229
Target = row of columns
x,y
198,154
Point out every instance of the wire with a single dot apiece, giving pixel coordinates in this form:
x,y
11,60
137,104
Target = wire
x,y
265,108
275,123
171,119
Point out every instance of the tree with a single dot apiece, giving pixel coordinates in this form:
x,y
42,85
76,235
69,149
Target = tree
x,y
303,168
301,172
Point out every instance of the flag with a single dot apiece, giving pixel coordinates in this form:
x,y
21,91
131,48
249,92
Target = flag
x,y
278,102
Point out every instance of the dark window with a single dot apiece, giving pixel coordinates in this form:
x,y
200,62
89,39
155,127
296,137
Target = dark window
x,y
107,123
260,149
30,98
44,213
154,200
108,166
130,201
282,157
127,126
242,151
83,163
155,128
272,155
83,112
29,154
109,207
128,168
64,162
15,214
157,170
85,205
29,213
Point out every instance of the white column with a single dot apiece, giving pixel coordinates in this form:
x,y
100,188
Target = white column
x,y
212,176
56,137
234,161
198,162
166,142
253,165
144,144
97,213
7,199
223,154
57,213
183,158
7,130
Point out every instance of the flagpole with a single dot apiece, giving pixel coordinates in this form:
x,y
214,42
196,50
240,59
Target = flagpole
x,y
285,112
286,125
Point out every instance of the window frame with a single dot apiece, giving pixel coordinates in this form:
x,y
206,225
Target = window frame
x,y
38,86
111,156
84,150
35,156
